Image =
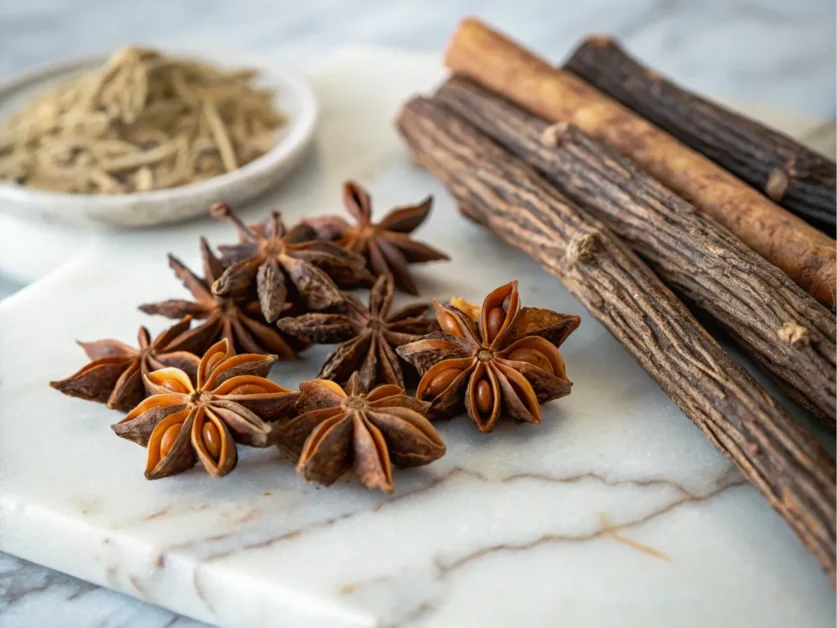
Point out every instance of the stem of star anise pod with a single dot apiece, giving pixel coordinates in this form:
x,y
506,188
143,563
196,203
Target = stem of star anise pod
x,y
501,192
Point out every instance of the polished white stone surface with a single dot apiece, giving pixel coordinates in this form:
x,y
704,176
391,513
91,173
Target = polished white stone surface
x,y
615,511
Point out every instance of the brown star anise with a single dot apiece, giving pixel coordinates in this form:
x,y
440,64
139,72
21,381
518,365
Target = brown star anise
x,y
508,364
223,317
115,375
386,245
338,430
182,423
283,269
369,336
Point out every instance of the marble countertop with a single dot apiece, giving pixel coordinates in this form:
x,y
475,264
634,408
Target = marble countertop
x,y
758,50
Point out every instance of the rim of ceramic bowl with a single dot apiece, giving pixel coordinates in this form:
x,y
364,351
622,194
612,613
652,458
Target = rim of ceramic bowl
x,y
300,132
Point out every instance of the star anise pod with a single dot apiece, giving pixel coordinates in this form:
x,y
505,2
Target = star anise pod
x,y
283,269
369,336
115,375
231,403
386,245
338,430
223,317
506,364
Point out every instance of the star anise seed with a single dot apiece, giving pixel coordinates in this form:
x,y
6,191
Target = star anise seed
x,y
230,403
283,269
369,336
507,364
339,430
470,309
386,245
223,317
115,374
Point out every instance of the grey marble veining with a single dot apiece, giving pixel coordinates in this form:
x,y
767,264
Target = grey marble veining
x,y
768,51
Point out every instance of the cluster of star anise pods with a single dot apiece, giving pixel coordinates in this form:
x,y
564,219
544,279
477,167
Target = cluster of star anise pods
x,y
194,393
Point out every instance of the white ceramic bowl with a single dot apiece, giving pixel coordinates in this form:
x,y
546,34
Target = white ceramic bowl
x,y
293,96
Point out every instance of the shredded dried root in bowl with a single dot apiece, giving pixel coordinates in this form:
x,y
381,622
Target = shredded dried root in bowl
x,y
142,122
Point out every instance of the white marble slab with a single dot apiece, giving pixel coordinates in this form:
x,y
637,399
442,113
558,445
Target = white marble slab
x,y
506,529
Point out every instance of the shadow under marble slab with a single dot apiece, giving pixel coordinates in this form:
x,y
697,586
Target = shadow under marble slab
x,y
32,596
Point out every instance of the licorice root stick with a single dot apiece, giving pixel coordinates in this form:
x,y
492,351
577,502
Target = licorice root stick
x,y
803,252
774,320
503,193
793,175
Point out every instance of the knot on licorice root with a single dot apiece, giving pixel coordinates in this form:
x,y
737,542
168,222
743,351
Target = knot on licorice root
x,y
581,248
552,134
794,334
777,184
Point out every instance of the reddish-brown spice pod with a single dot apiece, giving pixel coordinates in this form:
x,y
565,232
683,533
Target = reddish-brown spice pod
x,y
507,363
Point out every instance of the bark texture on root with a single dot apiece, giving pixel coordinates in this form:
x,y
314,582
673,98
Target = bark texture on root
x,y
793,175
804,253
776,322
503,193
